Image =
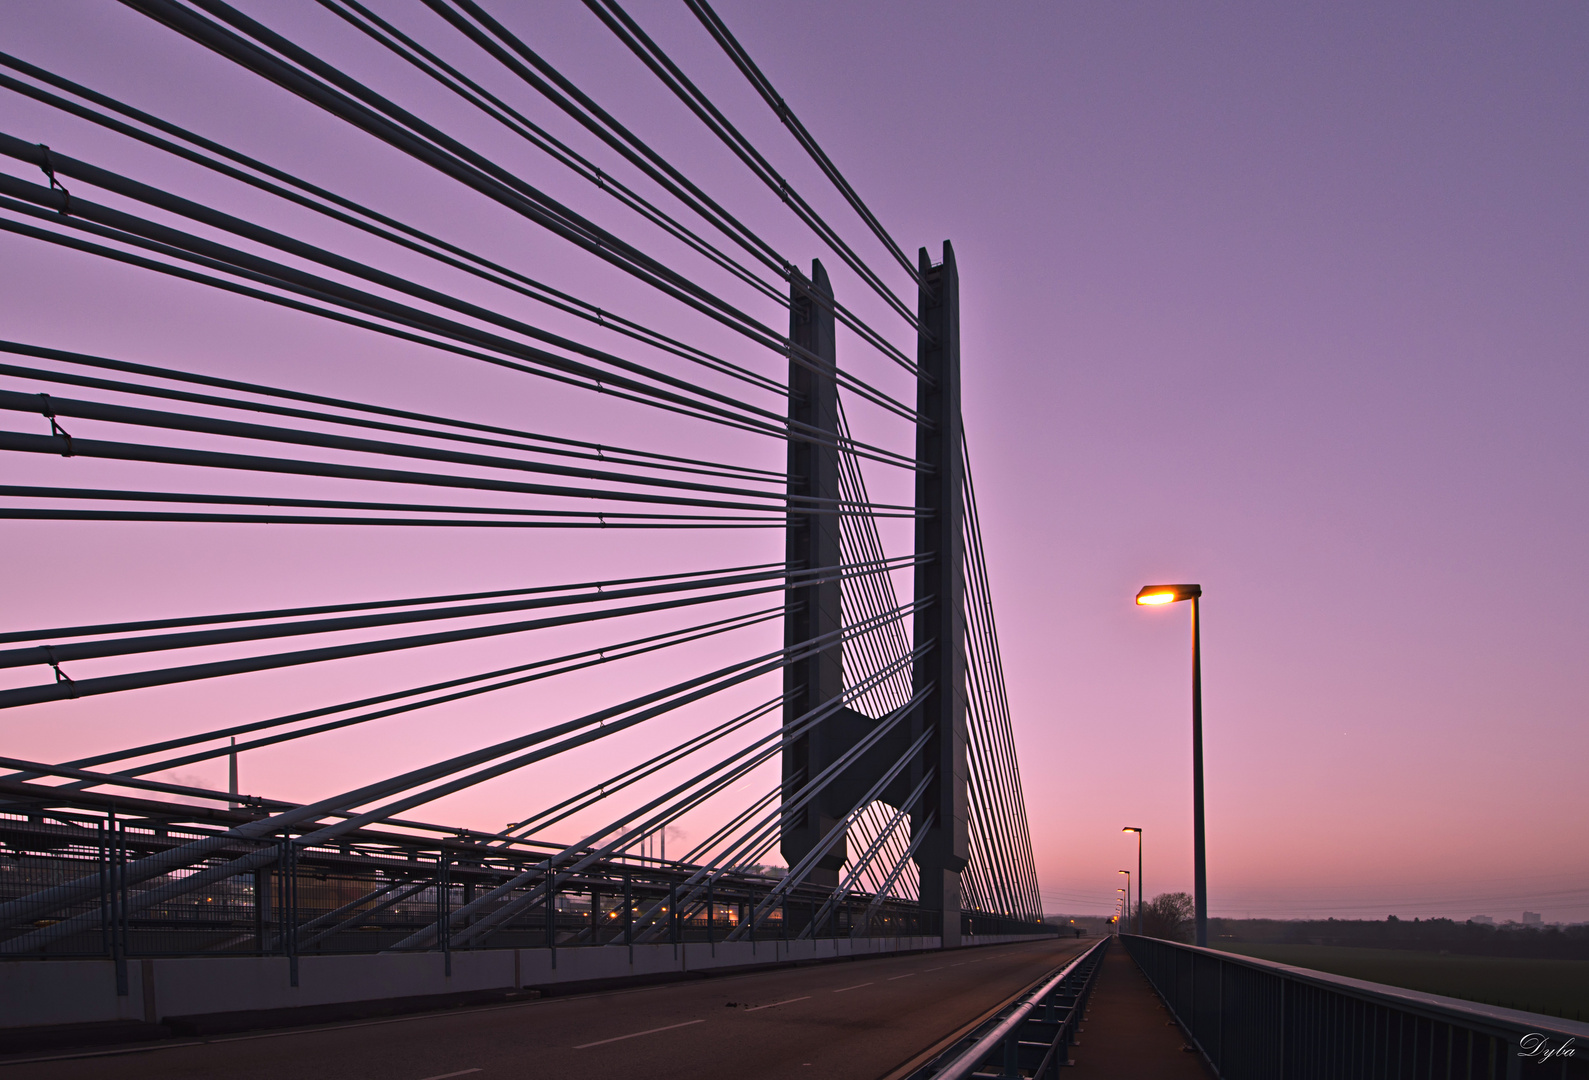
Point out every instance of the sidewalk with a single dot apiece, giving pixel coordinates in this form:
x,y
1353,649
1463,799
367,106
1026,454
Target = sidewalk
x,y
1128,1033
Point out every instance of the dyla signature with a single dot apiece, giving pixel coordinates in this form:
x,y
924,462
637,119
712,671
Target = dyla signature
x,y
1537,1047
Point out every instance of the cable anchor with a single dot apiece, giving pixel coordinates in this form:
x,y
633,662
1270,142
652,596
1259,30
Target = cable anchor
x,y
60,676
55,184
55,428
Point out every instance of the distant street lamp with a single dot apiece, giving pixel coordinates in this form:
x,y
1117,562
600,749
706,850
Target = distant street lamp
x,y
1127,873
1169,594
1138,831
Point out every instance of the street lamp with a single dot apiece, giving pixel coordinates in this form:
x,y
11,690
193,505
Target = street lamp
x,y
1155,595
1138,830
1127,873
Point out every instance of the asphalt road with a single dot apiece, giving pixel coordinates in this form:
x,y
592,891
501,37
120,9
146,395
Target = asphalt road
x,y
858,1019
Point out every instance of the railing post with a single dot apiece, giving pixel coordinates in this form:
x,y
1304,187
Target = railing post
x,y
443,912
104,889
287,904
118,901
1219,1013
1280,1072
262,904
551,916
628,909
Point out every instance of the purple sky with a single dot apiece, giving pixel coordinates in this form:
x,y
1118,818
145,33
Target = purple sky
x,y
1286,301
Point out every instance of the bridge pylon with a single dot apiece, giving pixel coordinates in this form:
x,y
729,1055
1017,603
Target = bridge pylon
x,y
813,610
940,673
814,683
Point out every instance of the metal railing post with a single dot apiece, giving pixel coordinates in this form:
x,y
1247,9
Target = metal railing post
x,y
262,903
628,910
289,926
118,901
1279,1072
551,917
104,889
444,912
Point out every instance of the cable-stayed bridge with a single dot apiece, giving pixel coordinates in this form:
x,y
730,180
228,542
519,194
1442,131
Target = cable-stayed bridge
x,y
489,515
713,402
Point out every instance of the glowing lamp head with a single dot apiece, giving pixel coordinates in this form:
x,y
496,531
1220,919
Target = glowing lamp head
x,y
1154,595
1131,828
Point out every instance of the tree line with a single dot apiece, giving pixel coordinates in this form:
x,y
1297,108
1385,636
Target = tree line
x,y
1169,916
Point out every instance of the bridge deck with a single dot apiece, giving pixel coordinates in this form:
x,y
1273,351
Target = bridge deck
x,y
1128,1031
853,1020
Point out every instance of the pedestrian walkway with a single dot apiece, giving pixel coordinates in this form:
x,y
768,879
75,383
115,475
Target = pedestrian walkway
x,y
1128,1033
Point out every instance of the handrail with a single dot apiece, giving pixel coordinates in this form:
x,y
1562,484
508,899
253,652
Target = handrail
x,y
1259,1018
967,1061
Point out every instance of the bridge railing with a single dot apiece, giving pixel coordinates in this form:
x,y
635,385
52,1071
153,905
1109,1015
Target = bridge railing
x,y
372,892
1029,1038
1266,1021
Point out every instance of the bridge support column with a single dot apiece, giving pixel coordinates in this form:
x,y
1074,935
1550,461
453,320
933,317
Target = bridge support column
x,y
940,579
812,610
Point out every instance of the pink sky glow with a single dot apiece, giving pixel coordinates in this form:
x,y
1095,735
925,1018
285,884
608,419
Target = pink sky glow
x,y
1288,300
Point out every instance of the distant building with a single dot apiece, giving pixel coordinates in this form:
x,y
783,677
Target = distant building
x,y
1482,920
1532,918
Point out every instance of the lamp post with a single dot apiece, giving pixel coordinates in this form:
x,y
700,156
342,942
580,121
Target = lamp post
x,y
1127,873
1138,830
1121,917
1154,595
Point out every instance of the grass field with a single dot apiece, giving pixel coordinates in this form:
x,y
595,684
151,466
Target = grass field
x,y
1554,987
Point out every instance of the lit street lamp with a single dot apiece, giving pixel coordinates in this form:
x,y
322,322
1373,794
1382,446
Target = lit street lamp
x,y
1137,829
1127,873
1168,594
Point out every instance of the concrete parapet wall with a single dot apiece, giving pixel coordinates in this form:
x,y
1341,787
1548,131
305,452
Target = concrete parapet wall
x,y
36,993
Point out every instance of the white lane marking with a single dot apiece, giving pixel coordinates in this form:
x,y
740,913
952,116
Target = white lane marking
x,y
100,1053
907,975
378,1023
935,969
636,1035
774,1005
449,1076
857,986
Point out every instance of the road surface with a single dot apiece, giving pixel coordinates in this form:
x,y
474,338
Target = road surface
x,y
859,1019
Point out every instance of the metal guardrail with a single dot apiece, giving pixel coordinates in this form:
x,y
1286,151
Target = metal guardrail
x,y
367,893
1030,1038
1259,1020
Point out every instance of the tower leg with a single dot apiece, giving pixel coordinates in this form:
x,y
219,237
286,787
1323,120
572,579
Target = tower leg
x,y
812,610
940,579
